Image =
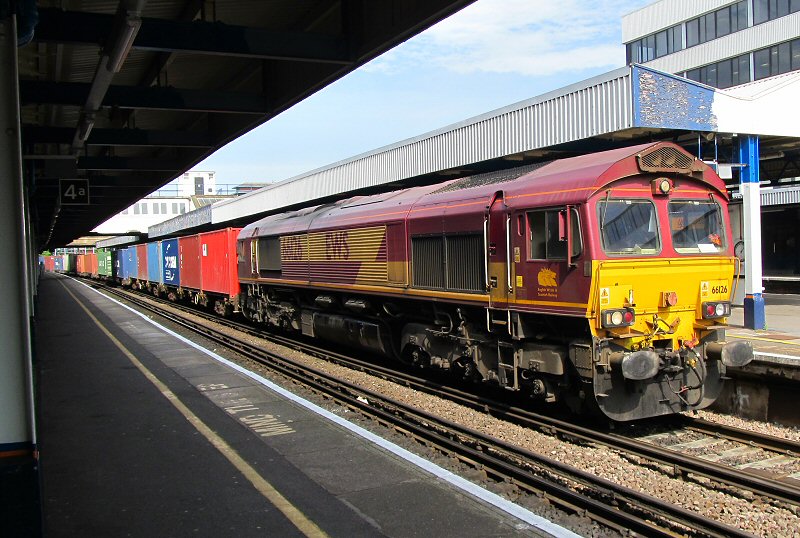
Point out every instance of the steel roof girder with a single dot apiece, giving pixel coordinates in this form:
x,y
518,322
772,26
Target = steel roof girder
x,y
196,37
32,134
128,164
150,98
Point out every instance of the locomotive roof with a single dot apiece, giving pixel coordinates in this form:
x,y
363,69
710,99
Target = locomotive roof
x,y
564,181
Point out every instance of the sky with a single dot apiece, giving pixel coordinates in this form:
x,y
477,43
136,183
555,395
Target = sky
x,y
491,54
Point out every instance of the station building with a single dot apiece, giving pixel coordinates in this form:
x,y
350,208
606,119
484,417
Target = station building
x,y
725,44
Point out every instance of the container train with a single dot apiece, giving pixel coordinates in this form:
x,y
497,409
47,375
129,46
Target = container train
x,y
600,281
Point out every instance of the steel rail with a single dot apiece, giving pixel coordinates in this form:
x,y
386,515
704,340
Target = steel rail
x,y
755,439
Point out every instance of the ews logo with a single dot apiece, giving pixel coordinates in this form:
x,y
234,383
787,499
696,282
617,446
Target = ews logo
x,y
292,248
336,247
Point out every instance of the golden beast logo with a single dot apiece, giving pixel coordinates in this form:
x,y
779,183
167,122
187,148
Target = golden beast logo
x,y
547,278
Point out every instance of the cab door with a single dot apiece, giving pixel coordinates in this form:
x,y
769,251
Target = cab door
x,y
498,268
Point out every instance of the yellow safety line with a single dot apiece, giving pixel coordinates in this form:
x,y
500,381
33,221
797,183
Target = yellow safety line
x,y
765,339
298,519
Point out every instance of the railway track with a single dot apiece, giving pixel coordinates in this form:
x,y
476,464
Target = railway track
x,y
572,489
746,451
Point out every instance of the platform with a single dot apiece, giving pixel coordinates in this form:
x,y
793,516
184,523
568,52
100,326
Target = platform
x,y
143,433
765,390
780,343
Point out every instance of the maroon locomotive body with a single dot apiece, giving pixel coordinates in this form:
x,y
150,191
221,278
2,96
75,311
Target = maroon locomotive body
x,y
549,279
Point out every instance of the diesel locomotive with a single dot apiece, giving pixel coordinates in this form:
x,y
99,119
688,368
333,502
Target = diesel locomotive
x,y
602,281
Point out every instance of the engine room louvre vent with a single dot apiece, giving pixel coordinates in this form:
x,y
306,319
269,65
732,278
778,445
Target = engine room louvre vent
x,y
665,159
427,262
453,262
465,263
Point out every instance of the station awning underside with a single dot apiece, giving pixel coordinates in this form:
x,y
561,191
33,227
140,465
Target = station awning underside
x,y
131,94
627,106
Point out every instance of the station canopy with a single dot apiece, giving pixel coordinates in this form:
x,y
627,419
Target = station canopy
x,y
126,96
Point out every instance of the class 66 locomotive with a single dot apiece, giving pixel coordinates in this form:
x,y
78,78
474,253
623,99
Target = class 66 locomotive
x,y
601,281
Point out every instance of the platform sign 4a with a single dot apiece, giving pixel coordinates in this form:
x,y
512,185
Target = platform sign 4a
x,y
74,191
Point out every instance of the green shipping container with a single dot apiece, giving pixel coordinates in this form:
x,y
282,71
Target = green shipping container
x,y
105,263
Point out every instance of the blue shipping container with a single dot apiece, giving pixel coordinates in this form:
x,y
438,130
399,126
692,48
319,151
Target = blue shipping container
x,y
169,262
155,272
130,268
122,263
59,263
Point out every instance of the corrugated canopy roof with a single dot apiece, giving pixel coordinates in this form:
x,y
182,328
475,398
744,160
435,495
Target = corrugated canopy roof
x,y
627,106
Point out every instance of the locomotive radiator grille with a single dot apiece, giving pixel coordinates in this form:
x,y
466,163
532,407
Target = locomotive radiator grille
x,y
665,159
449,262
465,263
427,262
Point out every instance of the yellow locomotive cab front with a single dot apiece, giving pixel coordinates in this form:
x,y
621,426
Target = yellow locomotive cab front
x,y
660,324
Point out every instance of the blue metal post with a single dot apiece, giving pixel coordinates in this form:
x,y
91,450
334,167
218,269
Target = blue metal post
x,y
754,315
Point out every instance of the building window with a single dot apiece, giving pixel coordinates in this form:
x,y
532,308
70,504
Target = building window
x,y
163,208
716,24
174,208
655,45
124,211
155,209
777,59
724,74
136,209
183,209
767,10
796,52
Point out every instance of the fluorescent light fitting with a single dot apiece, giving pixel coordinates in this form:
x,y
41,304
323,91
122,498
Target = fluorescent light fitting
x,y
123,44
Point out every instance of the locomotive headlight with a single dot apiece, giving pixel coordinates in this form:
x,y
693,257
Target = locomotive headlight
x,y
621,317
715,309
662,186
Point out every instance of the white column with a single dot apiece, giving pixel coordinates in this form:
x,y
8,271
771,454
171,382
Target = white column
x,y
16,415
751,216
754,311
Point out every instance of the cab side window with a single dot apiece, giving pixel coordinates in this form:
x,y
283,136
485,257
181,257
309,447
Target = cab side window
x,y
547,234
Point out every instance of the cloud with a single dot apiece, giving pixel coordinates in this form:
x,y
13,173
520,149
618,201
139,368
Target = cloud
x,y
527,37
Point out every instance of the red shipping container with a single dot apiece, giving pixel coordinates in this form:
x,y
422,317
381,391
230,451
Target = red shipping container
x,y
189,260
92,264
141,262
79,263
50,263
218,261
